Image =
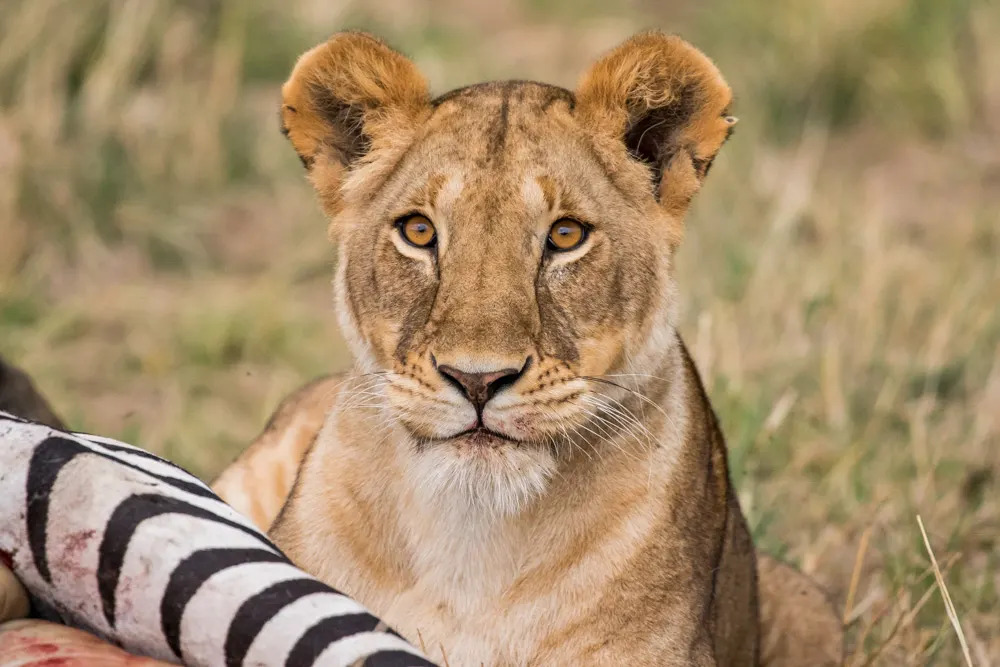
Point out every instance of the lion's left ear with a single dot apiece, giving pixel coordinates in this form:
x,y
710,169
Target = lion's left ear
x,y
668,103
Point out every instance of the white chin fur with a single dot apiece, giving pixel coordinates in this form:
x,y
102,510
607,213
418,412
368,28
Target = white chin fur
x,y
495,481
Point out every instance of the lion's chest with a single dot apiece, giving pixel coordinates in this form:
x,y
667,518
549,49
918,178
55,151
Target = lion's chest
x,y
472,609
473,631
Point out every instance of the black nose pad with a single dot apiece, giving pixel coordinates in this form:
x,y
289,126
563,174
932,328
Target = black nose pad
x,y
480,387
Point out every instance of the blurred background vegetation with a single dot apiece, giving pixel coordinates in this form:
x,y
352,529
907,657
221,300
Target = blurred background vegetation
x,y
164,273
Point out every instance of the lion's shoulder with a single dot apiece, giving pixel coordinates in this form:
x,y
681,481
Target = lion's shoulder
x,y
258,482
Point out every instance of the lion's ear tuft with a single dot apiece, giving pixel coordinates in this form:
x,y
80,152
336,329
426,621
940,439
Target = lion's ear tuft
x,y
345,97
667,102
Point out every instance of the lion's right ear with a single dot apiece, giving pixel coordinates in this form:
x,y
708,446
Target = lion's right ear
x,y
667,103
345,98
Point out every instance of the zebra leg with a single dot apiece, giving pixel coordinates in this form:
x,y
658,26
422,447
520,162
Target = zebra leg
x,y
111,539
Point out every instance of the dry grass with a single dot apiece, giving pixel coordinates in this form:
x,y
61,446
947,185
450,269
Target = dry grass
x,y
163,275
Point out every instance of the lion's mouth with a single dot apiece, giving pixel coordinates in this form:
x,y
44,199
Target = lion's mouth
x,y
477,436
485,437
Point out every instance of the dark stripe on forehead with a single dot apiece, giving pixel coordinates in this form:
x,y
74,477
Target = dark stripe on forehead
x,y
499,137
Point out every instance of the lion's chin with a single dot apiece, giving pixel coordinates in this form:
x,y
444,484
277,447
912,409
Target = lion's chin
x,y
481,471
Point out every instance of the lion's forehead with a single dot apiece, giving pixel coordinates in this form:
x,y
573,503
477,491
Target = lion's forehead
x,y
500,129
505,151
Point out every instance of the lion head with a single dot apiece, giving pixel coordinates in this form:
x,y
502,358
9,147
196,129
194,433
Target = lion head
x,y
505,249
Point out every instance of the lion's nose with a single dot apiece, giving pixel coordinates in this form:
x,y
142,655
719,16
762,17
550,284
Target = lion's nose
x,y
480,387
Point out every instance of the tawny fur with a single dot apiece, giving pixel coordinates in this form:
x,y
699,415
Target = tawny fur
x,y
587,517
798,624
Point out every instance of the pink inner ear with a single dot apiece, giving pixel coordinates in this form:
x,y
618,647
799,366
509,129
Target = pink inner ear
x,y
42,644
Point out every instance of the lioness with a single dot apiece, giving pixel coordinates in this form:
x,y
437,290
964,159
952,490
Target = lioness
x,y
524,467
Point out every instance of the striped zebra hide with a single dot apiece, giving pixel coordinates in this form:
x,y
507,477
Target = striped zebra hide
x,y
111,539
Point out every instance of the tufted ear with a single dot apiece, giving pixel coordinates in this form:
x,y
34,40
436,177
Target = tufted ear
x,y
345,98
668,103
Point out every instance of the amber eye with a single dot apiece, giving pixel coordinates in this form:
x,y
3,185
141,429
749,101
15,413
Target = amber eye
x,y
417,230
567,234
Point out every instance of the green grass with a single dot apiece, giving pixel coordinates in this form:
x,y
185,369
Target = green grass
x,y
163,273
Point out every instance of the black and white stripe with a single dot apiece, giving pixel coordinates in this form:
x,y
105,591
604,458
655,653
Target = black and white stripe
x,y
113,539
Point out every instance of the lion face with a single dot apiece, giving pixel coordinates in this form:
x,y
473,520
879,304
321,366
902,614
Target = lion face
x,y
505,250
